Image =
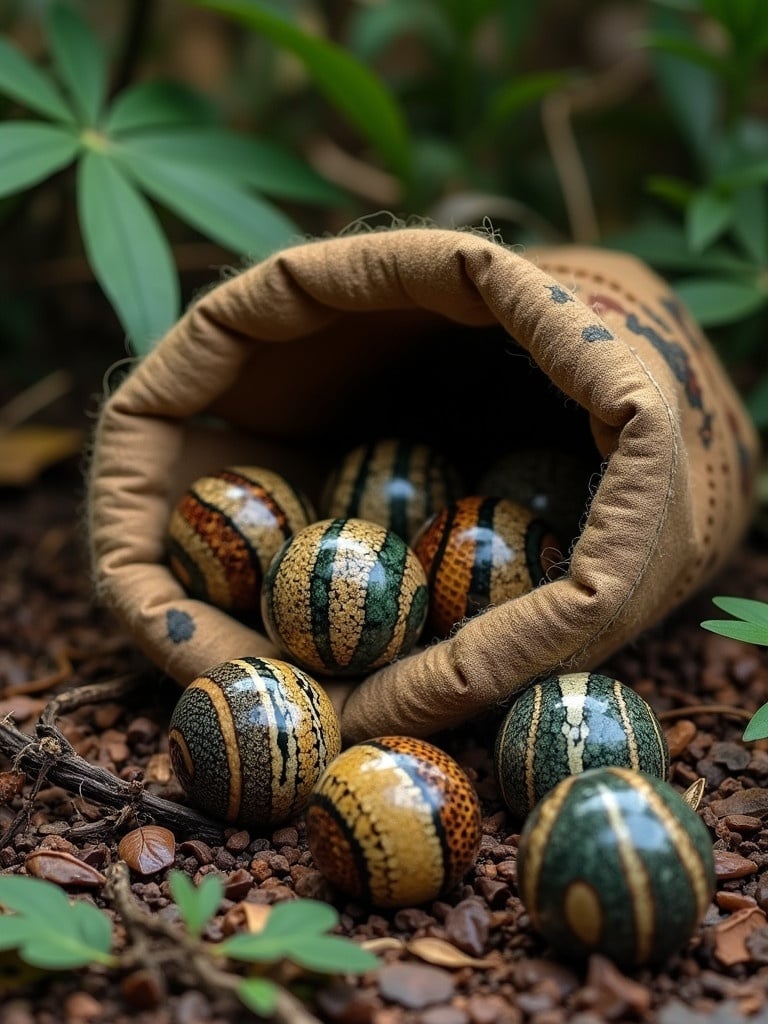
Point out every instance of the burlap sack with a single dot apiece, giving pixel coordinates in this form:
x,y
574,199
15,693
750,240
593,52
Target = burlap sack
x,y
450,337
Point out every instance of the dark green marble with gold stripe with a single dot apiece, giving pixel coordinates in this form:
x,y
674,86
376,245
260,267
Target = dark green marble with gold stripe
x,y
614,861
249,738
394,821
344,596
567,724
395,482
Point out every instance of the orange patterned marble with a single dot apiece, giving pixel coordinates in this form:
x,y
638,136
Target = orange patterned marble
x,y
226,529
393,821
481,551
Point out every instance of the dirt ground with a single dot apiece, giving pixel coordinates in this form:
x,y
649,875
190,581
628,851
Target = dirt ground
x,y
53,638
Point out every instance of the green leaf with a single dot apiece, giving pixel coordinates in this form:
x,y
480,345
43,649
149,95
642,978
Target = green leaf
x,y
332,954
684,47
673,190
259,995
349,86
80,60
757,729
744,175
14,930
744,608
254,948
708,214
714,301
750,222
91,925
376,26
23,82
218,208
33,151
34,897
156,105
748,632
523,92
663,245
199,903
49,931
292,918
263,165
127,251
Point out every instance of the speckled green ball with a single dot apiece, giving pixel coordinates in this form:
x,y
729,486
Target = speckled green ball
x,y
566,724
344,596
614,861
249,738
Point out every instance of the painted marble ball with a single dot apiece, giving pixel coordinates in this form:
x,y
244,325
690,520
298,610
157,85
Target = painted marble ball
x,y
394,822
566,724
552,483
225,530
344,596
614,861
249,738
394,482
480,551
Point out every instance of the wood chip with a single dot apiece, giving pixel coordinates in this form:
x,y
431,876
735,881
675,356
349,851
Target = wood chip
x,y
148,849
444,954
732,934
64,869
11,784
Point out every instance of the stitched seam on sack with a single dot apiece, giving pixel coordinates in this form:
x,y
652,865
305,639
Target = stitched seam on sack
x,y
662,519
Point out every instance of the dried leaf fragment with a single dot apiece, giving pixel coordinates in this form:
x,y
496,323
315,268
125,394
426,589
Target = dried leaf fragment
x,y
382,944
443,954
148,849
731,935
63,869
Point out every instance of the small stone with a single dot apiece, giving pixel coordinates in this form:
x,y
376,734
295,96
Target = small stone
x,y
198,849
679,736
415,985
732,865
143,989
734,756
238,842
238,885
81,1008
467,926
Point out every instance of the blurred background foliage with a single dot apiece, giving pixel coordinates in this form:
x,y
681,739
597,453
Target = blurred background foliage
x,y
148,145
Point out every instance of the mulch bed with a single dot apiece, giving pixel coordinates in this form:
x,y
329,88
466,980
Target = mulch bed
x,y
53,637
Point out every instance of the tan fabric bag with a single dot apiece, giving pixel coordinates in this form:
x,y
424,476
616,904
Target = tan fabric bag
x,y
474,346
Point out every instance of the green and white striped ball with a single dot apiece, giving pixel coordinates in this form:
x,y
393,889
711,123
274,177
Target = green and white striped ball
x,y
566,724
614,861
344,596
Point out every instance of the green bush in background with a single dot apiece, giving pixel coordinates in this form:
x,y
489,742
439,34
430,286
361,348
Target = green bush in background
x,y
460,112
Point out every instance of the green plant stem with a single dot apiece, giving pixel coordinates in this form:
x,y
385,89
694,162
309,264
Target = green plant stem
x,y
180,954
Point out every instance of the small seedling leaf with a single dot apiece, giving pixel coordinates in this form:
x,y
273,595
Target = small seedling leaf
x,y
155,106
128,252
80,60
293,918
708,214
757,729
32,152
22,81
736,629
332,954
259,995
198,903
744,608
34,897
49,931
